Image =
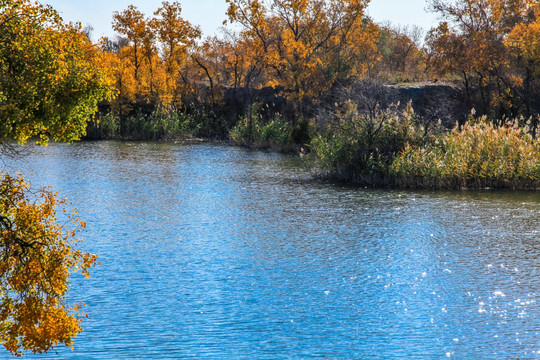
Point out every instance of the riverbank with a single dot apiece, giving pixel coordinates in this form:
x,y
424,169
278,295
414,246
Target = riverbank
x,y
475,157
364,138
401,154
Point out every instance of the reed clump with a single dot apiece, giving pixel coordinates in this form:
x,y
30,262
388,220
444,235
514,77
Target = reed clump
x,y
478,155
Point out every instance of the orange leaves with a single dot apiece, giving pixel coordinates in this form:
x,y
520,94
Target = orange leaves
x,y
130,23
307,44
156,51
174,32
43,323
36,260
524,41
493,45
251,14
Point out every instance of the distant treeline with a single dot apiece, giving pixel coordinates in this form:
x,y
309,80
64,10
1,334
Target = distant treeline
x,y
286,58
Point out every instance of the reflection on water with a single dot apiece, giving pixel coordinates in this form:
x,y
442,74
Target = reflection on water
x,y
217,252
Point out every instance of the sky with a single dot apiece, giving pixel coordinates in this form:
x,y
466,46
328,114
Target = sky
x,y
209,14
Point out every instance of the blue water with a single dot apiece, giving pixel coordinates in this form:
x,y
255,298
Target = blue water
x,y
216,252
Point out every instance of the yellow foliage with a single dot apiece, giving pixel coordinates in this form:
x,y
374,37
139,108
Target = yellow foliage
x,y
494,46
37,256
525,40
150,64
305,45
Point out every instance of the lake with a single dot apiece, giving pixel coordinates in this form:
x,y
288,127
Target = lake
x,y
217,252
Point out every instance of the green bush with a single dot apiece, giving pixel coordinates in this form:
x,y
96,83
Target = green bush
x,y
108,125
480,155
274,133
360,147
205,123
137,126
240,132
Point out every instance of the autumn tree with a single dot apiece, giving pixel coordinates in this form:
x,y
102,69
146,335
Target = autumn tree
x,y
37,256
134,63
245,61
480,41
132,24
116,60
176,37
308,44
209,58
523,43
402,56
175,34
466,44
51,78
156,53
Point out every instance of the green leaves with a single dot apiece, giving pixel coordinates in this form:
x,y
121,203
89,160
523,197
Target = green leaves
x,y
49,81
360,147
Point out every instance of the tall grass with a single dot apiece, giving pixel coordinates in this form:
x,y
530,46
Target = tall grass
x,y
479,155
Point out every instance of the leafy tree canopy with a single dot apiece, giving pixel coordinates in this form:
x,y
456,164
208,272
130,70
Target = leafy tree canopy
x,y
37,256
50,75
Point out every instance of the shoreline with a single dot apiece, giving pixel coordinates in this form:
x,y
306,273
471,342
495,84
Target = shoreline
x,y
390,183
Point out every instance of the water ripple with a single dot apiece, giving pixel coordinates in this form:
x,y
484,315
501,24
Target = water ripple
x,y
217,252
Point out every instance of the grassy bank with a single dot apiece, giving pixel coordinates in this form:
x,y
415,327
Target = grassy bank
x,y
387,147
159,124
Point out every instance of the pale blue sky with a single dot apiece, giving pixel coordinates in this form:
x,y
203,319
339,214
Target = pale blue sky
x,y
209,14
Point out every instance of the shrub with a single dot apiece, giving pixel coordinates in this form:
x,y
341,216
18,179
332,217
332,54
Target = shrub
x,y
108,125
360,147
274,133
